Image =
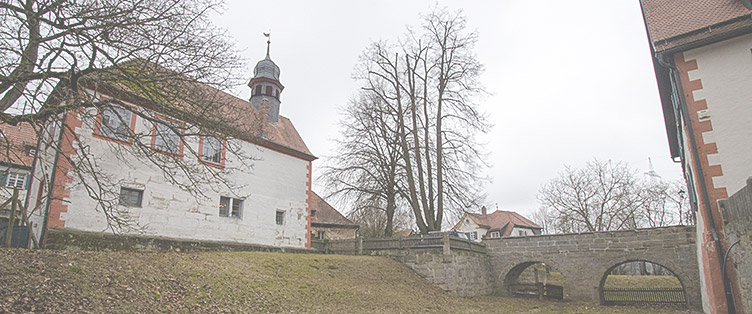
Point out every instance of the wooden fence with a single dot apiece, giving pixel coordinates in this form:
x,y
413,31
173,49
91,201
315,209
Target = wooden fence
x,y
362,246
614,296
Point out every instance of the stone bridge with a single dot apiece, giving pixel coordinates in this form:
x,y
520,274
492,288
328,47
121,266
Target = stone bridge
x,y
585,259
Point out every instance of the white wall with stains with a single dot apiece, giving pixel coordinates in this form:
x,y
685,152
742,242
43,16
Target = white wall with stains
x,y
275,182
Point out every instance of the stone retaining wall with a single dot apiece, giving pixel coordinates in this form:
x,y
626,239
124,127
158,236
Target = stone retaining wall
x,y
466,273
71,240
737,211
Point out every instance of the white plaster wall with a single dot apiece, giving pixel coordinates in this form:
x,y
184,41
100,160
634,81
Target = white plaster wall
x,y
725,69
276,182
516,232
42,173
700,225
467,225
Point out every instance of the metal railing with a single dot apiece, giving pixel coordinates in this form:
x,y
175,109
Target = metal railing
x,y
360,246
620,296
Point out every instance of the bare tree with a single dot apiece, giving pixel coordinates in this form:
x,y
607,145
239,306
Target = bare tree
x,y
606,196
366,170
85,59
373,221
545,218
664,204
429,85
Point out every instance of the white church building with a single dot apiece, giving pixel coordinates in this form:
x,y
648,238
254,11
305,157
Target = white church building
x,y
267,204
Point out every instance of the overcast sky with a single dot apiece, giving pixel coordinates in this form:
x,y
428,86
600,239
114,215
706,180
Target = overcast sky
x,y
570,80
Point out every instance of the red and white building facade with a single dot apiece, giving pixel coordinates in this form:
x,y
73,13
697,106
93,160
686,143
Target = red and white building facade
x,y
702,55
266,204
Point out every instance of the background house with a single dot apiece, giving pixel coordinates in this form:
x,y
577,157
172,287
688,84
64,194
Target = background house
x,y
18,147
267,203
498,224
329,224
703,66
18,144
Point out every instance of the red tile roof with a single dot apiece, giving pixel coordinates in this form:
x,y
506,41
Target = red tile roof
x,y
673,23
18,136
282,133
325,214
501,219
213,103
402,233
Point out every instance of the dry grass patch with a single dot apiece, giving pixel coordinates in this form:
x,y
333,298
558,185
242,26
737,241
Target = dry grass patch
x,y
240,282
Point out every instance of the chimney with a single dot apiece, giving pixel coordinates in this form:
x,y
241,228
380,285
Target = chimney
x,y
483,211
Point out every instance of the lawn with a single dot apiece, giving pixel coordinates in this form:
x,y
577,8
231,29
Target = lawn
x,y
221,282
625,281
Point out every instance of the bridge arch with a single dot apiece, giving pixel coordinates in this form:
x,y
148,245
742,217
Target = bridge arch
x,y
676,270
584,259
509,277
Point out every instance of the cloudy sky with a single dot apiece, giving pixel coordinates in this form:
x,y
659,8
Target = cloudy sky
x,y
570,80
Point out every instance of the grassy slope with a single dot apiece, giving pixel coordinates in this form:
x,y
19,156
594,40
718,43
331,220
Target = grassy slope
x,y
55,281
625,281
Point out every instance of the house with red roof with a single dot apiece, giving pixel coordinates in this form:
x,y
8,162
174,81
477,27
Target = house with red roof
x,y
498,224
328,223
19,146
262,197
702,58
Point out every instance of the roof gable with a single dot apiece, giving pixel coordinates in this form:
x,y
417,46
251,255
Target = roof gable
x,y
13,142
502,220
325,214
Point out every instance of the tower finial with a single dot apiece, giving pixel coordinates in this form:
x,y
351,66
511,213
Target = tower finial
x,y
268,42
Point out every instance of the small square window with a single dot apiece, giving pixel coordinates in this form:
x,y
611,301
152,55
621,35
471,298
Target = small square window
x,y
165,139
495,234
116,123
230,207
31,151
320,235
313,213
211,149
521,232
16,180
280,218
131,197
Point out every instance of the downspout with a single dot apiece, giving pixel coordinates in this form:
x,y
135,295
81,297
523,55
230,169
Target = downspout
x,y
52,182
703,188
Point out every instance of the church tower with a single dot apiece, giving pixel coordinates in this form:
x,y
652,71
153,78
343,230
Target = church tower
x,y
265,85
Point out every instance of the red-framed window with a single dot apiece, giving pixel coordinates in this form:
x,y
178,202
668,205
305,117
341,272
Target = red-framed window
x,y
164,139
212,150
116,123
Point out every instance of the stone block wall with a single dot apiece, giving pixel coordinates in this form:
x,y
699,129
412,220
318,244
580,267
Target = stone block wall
x,y
74,240
466,273
586,258
737,212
